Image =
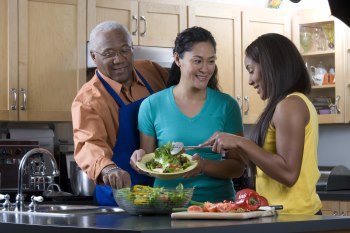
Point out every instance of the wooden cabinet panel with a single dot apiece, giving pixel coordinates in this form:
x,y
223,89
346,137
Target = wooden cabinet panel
x,y
9,60
123,11
330,207
150,23
52,57
256,22
224,22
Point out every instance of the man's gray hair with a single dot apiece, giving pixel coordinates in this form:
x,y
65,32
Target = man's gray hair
x,y
105,27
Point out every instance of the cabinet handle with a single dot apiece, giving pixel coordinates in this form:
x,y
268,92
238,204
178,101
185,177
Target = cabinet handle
x,y
239,100
337,103
134,18
246,101
13,93
24,103
143,18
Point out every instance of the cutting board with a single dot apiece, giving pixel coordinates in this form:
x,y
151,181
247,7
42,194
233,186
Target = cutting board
x,y
209,215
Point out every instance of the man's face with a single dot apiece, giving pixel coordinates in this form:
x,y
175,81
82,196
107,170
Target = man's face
x,y
113,56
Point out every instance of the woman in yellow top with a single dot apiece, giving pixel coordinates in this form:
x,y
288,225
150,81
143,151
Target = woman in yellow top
x,y
284,141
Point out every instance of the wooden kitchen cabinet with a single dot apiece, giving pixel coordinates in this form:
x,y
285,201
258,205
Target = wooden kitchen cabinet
x,y
51,64
151,23
336,208
224,22
321,40
347,75
9,58
256,22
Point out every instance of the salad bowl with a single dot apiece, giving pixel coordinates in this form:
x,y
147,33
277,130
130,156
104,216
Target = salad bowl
x,y
159,173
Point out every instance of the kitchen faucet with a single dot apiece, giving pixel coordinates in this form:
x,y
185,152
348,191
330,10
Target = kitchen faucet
x,y
55,172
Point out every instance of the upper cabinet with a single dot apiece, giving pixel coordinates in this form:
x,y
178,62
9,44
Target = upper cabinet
x,y
46,58
150,23
224,22
256,22
347,74
9,60
321,40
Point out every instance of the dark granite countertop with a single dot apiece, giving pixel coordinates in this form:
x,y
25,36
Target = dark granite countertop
x,y
339,195
122,222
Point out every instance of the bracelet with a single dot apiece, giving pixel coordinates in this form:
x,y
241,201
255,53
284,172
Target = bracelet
x,y
111,169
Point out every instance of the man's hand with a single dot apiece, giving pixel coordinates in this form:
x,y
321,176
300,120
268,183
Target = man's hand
x,y
116,177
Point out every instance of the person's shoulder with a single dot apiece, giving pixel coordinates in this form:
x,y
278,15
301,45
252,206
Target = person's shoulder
x,y
156,75
293,105
221,95
89,90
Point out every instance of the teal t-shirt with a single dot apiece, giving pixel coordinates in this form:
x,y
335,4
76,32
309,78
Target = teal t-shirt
x,y
160,117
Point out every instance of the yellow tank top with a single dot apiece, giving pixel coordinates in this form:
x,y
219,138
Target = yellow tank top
x,y
302,197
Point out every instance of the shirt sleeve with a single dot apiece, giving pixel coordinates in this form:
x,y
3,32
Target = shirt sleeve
x,y
92,153
145,118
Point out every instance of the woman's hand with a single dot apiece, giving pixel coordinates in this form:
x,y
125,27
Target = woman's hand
x,y
222,142
199,169
136,157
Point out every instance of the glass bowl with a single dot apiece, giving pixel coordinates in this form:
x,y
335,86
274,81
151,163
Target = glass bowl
x,y
144,200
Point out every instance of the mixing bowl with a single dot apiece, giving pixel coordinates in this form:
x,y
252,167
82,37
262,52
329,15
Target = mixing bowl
x,y
144,200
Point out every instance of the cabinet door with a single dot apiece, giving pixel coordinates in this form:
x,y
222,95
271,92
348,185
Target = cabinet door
x,y
321,38
256,22
8,58
123,11
344,208
52,57
224,22
347,75
330,208
159,24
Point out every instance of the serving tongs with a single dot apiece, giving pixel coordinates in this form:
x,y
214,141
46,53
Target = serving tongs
x,y
179,147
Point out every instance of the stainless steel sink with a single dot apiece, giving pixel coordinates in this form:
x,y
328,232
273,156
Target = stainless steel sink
x,y
67,210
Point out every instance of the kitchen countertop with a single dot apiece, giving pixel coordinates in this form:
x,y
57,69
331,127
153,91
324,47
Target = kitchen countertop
x,y
339,195
122,222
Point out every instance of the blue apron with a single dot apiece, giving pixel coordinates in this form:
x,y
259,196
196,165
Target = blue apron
x,y
127,142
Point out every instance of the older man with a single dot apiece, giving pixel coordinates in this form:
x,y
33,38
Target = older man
x,y
104,112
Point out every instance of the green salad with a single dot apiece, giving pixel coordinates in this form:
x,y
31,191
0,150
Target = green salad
x,y
165,162
141,195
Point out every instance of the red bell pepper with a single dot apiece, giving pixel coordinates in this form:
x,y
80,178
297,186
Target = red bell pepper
x,y
247,199
263,201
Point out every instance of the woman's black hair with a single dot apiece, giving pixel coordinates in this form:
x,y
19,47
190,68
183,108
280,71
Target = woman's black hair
x,y
184,42
283,72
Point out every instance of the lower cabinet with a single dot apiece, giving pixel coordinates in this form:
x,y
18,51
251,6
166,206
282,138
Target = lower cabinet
x,y
336,208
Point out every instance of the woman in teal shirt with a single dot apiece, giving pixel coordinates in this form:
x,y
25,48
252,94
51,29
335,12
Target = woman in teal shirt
x,y
190,111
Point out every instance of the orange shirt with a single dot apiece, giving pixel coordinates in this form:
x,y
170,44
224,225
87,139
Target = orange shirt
x,y
95,115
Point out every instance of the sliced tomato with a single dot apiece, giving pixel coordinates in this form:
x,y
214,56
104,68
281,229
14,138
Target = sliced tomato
x,y
194,208
209,207
223,207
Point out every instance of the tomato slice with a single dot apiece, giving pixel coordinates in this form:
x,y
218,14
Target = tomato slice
x,y
209,207
194,208
225,207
